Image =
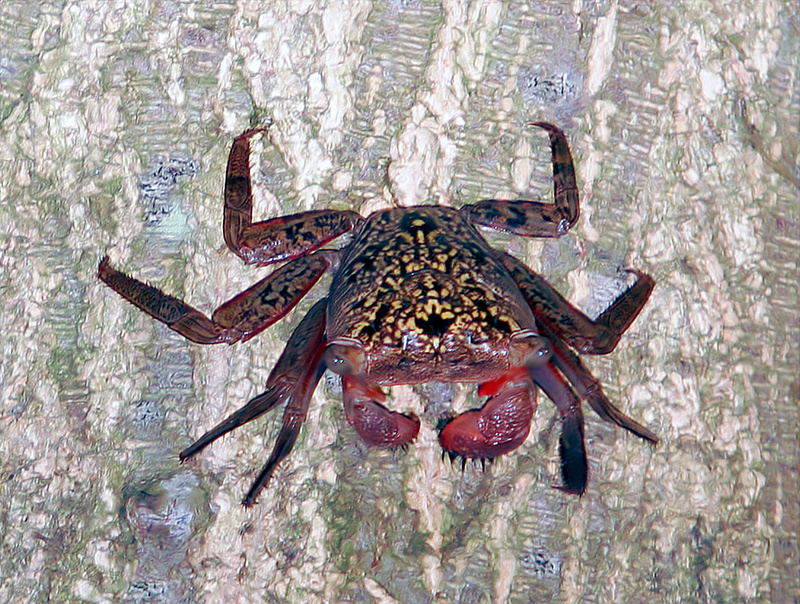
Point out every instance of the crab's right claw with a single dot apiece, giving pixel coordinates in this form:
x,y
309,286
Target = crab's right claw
x,y
377,425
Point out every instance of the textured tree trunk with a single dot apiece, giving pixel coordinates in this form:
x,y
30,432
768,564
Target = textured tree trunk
x,y
115,122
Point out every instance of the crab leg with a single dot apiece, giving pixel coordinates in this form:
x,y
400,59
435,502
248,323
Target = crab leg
x,y
238,319
574,466
552,310
293,379
278,239
534,218
590,389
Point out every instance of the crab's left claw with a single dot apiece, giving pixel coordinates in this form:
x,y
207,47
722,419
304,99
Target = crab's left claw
x,y
500,426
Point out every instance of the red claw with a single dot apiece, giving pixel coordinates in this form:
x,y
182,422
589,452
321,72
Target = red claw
x,y
500,426
375,424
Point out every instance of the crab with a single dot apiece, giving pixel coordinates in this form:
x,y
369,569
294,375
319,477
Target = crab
x,y
417,295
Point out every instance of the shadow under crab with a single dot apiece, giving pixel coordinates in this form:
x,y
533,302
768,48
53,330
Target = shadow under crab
x,y
418,295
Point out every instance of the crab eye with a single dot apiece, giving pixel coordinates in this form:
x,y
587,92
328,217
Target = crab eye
x,y
541,354
343,359
534,349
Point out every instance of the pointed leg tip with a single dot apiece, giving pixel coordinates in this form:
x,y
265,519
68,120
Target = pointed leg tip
x,y
251,132
103,267
648,435
544,126
187,454
184,457
574,490
575,477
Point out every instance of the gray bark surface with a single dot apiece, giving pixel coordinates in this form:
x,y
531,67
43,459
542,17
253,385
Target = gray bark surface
x,y
115,123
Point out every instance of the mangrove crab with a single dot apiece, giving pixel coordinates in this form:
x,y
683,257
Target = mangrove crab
x,y
417,295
